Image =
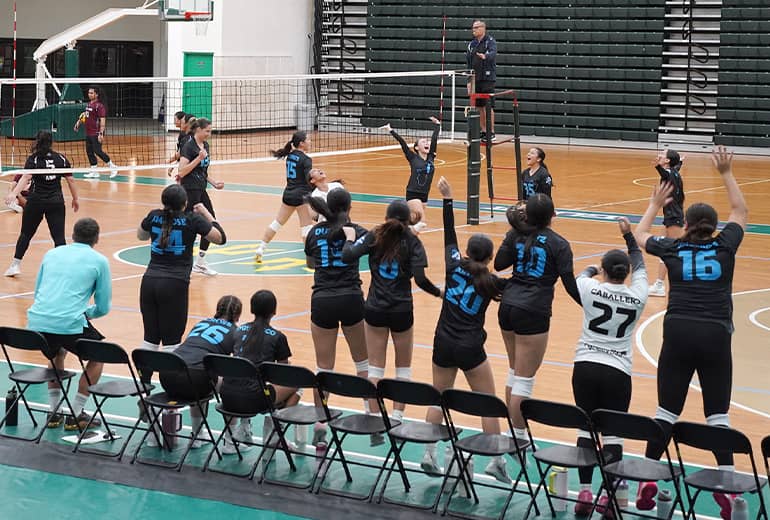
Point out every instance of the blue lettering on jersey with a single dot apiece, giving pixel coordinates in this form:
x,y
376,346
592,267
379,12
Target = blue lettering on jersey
x,y
463,294
389,270
535,266
702,265
214,334
331,255
175,245
529,189
291,166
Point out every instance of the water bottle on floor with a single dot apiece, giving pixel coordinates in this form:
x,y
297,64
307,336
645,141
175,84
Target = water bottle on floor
x,y
740,509
12,407
665,503
621,494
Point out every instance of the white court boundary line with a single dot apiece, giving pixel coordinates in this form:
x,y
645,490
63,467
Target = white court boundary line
x,y
653,362
753,318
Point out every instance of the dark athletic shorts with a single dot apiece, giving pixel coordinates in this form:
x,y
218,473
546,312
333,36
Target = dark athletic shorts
x,y
328,312
395,321
522,322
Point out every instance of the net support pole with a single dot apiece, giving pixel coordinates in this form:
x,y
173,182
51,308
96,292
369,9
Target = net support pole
x,y
13,93
454,84
474,166
517,148
490,173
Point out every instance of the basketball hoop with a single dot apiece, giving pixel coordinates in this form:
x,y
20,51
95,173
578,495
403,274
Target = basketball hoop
x,y
201,20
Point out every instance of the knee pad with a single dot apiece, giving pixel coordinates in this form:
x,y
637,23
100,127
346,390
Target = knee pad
x,y
522,386
275,226
305,230
378,372
404,373
511,378
661,414
362,366
718,419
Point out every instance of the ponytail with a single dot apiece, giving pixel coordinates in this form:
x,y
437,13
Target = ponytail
x,y
334,209
529,219
174,199
294,142
479,252
617,265
701,220
42,144
388,240
229,308
263,306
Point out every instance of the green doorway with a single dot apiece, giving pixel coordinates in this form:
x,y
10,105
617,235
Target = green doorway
x,y
196,95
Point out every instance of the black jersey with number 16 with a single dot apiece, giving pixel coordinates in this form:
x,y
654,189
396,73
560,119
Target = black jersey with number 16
x,y
700,274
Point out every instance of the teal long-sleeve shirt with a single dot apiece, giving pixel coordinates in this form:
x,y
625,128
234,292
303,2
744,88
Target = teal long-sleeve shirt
x,y
68,277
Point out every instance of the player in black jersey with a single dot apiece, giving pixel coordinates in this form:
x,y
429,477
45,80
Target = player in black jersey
x,y
698,326
194,177
421,158
395,256
45,198
179,122
337,297
258,342
210,336
539,257
165,285
536,178
298,166
459,339
668,165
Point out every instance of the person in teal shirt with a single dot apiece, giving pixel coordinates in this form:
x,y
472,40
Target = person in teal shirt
x,y
69,276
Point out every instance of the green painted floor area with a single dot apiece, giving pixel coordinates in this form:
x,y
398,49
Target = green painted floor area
x,y
357,448
30,495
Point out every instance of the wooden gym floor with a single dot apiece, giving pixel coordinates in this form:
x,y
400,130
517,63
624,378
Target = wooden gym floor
x,y
593,185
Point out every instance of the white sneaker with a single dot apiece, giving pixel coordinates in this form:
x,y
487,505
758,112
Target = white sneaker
x,y
496,468
200,266
657,289
420,227
430,465
228,447
13,270
259,253
15,207
92,174
113,170
203,437
242,432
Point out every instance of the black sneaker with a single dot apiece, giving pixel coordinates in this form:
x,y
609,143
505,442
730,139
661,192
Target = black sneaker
x,y
54,420
492,137
80,423
483,136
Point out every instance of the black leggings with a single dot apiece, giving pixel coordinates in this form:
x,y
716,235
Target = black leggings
x,y
694,346
31,218
94,148
164,303
202,196
595,386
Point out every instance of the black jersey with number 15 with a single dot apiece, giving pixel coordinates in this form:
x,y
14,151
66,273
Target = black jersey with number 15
x,y
700,274
333,277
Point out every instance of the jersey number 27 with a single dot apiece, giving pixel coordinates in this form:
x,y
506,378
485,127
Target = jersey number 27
x,y
606,316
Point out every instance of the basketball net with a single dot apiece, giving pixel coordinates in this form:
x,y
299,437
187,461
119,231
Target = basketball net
x,y
201,21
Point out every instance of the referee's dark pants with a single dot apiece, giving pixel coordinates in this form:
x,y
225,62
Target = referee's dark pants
x,y
31,218
94,148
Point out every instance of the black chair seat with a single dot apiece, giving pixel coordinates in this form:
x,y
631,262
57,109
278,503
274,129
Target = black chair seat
x,y
640,470
164,401
421,432
489,444
35,376
117,389
566,456
723,481
360,424
301,414
224,411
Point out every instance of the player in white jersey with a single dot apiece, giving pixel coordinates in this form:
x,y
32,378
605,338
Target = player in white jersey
x,y
601,377
322,189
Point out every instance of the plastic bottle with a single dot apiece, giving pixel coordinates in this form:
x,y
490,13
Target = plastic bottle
x,y
621,494
171,421
665,503
301,435
740,509
12,407
557,487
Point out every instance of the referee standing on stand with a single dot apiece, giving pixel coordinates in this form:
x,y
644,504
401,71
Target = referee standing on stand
x,y
480,56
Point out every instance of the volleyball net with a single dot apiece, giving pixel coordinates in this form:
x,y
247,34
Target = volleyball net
x,y
250,115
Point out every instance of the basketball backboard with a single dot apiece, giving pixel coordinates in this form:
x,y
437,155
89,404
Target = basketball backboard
x,y
186,10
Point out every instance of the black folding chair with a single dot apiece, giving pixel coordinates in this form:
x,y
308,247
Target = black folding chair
x,y
299,415
486,444
766,454
168,362
218,365
717,439
611,423
559,415
354,424
23,339
414,394
109,353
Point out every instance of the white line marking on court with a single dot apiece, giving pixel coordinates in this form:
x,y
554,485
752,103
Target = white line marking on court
x,y
653,362
753,318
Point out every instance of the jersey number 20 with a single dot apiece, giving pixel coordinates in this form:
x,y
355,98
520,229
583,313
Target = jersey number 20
x,y
606,316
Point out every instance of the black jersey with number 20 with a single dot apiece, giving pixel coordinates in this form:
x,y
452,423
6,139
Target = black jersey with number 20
x,y
700,274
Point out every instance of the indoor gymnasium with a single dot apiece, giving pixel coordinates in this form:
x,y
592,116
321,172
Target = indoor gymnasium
x,y
218,316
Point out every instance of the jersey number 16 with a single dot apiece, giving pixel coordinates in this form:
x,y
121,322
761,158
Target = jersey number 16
x,y
703,265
